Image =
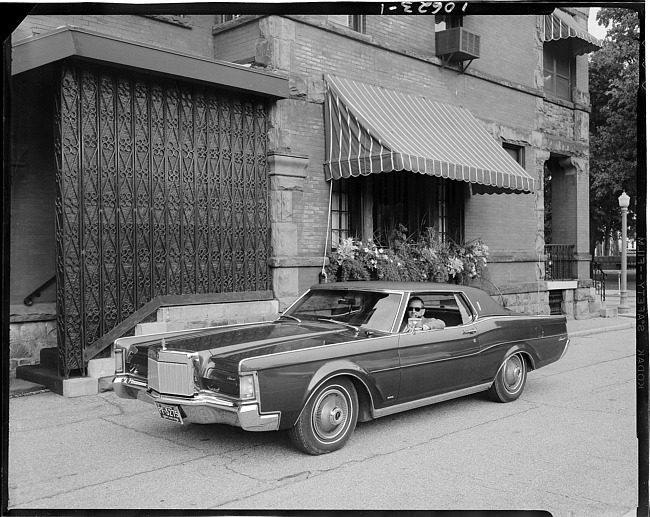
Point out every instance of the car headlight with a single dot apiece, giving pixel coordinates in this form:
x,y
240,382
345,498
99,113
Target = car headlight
x,y
119,360
247,386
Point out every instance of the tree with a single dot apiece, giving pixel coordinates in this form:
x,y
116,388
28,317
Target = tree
x,y
613,87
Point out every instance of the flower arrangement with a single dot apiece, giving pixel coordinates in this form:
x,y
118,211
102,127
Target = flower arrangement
x,y
408,258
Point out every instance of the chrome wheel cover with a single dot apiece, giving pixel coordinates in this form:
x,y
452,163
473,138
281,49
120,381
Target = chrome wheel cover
x,y
513,374
331,414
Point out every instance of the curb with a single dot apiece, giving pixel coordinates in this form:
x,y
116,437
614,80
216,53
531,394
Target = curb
x,y
15,393
586,332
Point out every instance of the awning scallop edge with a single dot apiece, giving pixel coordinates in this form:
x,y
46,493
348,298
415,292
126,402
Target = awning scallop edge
x,y
560,25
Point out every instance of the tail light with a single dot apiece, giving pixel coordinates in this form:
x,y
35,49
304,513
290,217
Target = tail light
x,y
119,360
247,387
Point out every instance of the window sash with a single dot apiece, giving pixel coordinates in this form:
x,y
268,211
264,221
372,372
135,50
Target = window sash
x,y
558,70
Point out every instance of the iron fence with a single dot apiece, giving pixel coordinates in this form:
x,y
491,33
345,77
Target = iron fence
x,y
560,262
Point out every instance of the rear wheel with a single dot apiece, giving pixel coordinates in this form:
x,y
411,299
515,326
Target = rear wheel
x,y
510,380
328,419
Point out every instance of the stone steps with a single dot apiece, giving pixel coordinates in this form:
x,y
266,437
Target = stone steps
x,y
46,374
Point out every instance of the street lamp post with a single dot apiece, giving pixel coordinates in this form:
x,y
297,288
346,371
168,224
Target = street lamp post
x,y
623,202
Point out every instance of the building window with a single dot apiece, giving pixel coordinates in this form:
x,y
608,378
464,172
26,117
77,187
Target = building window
x,y
558,69
340,212
356,22
516,152
223,18
417,202
380,203
447,21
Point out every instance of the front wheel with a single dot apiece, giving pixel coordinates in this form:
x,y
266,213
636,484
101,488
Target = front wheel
x,y
510,380
328,419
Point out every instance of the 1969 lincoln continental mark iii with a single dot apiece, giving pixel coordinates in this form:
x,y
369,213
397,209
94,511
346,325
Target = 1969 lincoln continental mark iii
x,y
342,353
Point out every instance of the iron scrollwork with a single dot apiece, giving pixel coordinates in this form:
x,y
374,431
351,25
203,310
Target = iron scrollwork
x,y
162,188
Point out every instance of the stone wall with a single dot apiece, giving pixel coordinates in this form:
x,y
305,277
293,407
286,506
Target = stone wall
x,y
581,303
209,315
27,339
577,304
535,302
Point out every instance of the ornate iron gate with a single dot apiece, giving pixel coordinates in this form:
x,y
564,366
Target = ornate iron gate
x,y
162,188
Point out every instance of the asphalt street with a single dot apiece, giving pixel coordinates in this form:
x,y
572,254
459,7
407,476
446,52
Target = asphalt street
x,y
568,445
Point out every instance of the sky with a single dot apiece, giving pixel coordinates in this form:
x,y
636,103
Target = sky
x,y
596,30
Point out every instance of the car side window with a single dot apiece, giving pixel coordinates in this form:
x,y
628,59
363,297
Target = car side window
x,y
445,307
465,312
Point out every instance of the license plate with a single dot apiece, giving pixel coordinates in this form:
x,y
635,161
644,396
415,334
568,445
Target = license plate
x,y
169,412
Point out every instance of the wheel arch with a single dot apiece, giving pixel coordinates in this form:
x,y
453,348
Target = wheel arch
x,y
344,370
523,349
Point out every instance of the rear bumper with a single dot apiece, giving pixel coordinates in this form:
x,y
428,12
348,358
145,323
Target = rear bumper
x,y
203,408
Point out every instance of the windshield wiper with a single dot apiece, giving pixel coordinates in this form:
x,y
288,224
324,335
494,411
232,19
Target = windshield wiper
x,y
356,329
289,316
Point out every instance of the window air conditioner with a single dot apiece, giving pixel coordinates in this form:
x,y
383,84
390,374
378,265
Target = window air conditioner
x,y
458,44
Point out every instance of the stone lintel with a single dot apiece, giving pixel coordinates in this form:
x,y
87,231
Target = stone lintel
x,y
521,287
515,256
287,165
290,262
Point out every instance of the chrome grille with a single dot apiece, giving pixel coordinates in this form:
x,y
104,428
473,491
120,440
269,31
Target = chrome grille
x,y
174,375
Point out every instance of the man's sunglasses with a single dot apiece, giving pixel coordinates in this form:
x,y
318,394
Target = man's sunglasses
x,y
417,309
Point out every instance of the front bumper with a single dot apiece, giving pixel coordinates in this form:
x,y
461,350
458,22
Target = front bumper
x,y
203,408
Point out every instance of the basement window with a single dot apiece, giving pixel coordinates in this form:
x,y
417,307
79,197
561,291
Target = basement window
x,y
555,302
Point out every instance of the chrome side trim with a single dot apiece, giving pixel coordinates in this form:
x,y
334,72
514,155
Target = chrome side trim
x,y
405,406
501,343
380,370
442,360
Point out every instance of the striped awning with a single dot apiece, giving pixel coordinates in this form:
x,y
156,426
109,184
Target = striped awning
x,y
369,129
560,25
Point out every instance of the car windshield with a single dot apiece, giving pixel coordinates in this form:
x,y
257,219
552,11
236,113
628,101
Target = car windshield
x,y
364,309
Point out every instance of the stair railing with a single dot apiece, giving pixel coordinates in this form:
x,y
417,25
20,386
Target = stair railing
x,y
598,277
29,299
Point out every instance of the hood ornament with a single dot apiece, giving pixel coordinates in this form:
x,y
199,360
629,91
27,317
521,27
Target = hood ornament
x,y
164,347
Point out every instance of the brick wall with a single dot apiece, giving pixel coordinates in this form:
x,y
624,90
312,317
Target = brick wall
x,y
507,47
505,222
237,45
32,254
507,42
411,33
195,40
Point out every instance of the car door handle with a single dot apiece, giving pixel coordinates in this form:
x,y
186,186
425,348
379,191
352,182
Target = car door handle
x,y
470,331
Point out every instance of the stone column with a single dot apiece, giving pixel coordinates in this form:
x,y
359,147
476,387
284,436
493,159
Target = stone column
x,y
287,176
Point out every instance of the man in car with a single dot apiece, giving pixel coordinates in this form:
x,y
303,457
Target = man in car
x,y
416,319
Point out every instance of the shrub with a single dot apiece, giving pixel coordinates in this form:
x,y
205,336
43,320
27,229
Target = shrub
x,y
423,258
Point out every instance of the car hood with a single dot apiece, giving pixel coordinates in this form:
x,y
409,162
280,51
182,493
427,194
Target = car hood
x,y
234,343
